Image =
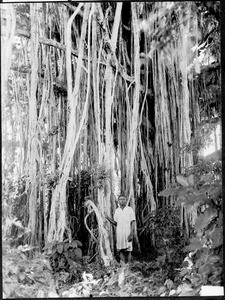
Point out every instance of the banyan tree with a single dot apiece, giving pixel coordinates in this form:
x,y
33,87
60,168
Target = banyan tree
x,y
101,98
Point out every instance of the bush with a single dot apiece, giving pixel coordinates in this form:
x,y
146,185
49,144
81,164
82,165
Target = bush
x,y
65,259
25,277
203,193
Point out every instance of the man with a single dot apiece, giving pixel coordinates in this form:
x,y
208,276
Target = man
x,y
124,219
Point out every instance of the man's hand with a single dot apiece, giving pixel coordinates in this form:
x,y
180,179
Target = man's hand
x,y
110,220
130,237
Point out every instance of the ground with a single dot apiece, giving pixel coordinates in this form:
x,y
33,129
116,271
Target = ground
x,y
28,273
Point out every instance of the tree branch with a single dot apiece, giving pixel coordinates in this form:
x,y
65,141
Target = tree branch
x,y
73,8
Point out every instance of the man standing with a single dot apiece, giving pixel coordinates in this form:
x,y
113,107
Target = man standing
x,y
124,219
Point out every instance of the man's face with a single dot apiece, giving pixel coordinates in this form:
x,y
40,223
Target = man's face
x,y
122,201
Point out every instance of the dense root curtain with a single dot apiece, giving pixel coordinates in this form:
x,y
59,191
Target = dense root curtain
x,y
58,224
172,98
106,147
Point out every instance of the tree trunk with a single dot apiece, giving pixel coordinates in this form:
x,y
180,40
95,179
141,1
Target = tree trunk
x,y
134,120
33,154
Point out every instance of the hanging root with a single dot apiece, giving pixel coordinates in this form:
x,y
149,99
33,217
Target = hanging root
x,y
93,208
89,230
103,242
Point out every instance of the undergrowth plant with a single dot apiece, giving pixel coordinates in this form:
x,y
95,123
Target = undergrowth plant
x,y
26,276
65,260
164,227
15,233
201,193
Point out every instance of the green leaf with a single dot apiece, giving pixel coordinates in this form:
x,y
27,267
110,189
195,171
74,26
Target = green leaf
x,y
195,279
74,244
184,272
70,262
182,180
60,248
78,252
213,259
161,290
170,191
184,289
220,220
40,279
48,246
205,269
55,255
47,264
14,269
66,246
217,237
195,244
79,244
191,198
204,219
169,284
54,248
161,259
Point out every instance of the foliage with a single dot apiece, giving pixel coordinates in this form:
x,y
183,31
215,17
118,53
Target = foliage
x,y
120,281
204,267
201,139
210,16
205,246
201,187
77,189
20,204
8,194
128,281
15,233
100,176
168,22
204,167
164,223
15,199
65,258
52,179
25,277
81,182
205,194
15,211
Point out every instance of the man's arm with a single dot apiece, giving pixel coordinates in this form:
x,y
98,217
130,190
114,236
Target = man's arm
x,y
132,227
111,220
132,231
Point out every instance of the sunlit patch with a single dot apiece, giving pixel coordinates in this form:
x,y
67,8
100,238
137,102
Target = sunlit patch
x,y
208,150
216,142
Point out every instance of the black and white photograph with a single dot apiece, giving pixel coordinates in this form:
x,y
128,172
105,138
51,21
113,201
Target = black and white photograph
x,y
111,134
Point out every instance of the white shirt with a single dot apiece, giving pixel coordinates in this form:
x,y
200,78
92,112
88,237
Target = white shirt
x,y
123,218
